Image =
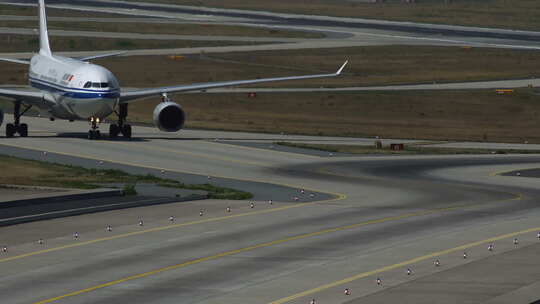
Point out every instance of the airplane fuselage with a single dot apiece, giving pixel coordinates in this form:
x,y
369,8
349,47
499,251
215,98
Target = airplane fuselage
x,y
74,89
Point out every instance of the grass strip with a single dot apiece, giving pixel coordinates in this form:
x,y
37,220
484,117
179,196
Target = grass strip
x,y
166,28
513,14
214,192
39,173
8,9
28,43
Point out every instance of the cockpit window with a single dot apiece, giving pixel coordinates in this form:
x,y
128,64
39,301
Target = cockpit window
x,y
90,84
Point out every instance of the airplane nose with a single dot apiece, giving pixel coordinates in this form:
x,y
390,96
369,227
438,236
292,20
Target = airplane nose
x,y
110,95
111,103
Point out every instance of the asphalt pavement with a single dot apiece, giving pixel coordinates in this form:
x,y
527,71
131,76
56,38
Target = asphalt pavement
x,y
340,32
370,217
382,215
292,19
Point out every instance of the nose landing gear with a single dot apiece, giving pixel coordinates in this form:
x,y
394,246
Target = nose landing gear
x,y
122,126
94,132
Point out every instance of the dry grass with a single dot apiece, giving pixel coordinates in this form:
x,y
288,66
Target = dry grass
x,y
470,115
166,28
6,9
368,66
28,43
390,64
515,14
18,171
473,115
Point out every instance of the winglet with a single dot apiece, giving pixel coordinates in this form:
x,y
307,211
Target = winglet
x,y
342,67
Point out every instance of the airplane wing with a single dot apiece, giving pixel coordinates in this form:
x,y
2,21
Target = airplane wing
x,y
101,56
29,96
130,96
15,60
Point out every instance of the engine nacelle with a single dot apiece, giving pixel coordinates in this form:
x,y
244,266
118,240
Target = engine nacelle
x,y
169,116
1,117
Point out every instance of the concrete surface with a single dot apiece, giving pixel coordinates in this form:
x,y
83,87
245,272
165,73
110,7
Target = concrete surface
x,y
492,277
378,216
157,9
25,213
382,215
340,32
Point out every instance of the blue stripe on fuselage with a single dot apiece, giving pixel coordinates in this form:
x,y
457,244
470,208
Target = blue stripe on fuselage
x,y
41,84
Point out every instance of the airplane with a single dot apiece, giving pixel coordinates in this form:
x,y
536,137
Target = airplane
x,y
75,89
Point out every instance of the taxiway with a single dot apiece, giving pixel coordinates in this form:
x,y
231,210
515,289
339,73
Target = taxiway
x,y
382,216
372,217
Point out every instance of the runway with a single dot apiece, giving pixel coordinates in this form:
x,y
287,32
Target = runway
x,y
382,215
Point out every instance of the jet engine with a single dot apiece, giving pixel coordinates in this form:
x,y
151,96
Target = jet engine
x,y
169,116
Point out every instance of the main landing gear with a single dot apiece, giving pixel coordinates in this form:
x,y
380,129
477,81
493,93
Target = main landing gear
x,y
121,127
17,126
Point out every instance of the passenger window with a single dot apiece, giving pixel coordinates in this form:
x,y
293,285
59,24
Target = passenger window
x,y
88,84
104,85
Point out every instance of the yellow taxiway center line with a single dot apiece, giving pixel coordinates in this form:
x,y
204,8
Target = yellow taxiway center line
x,y
245,249
124,235
399,265
157,229
499,173
337,197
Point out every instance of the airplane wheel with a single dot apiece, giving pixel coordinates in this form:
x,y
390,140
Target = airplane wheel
x,y
126,131
91,134
114,130
23,130
97,134
10,130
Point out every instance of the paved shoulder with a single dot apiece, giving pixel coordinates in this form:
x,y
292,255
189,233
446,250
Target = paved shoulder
x,y
475,282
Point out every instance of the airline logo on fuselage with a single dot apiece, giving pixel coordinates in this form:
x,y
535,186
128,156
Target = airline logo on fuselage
x,y
67,79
